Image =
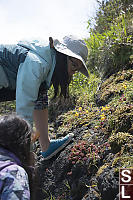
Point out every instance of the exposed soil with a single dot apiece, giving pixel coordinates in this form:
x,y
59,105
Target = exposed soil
x,y
88,168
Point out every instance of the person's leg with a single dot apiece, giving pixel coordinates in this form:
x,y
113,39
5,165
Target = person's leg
x,y
3,79
6,94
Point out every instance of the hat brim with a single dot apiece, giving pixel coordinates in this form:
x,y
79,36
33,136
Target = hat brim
x,y
63,49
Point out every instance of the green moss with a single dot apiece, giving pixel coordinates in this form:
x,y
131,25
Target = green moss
x,y
121,118
123,162
117,140
101,169
7,107
117,84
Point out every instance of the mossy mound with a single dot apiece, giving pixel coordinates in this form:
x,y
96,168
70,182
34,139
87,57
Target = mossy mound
x,y
103,138
102,144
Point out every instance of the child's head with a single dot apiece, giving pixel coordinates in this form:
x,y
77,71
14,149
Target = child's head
x,y
15,136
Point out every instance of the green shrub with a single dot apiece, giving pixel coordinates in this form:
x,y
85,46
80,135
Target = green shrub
x,y
110,41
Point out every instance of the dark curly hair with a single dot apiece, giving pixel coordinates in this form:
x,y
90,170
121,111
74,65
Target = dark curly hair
x,y
15,136
60,77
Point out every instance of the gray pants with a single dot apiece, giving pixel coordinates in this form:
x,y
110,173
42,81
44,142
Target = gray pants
x,y
3,79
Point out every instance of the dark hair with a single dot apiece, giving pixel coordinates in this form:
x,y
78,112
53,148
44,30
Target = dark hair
x,y
60,78
15,136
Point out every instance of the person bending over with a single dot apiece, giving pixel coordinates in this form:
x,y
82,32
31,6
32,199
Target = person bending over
x,y
28,69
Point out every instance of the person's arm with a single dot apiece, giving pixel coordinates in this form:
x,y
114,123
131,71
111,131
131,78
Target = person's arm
x,y
40,117
41,123
29,78
31,99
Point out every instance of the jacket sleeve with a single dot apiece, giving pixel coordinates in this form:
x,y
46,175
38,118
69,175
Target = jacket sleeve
x,y
15,183
42,100
30,75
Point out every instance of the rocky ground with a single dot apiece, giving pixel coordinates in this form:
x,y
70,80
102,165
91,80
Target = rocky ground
x,y
88,168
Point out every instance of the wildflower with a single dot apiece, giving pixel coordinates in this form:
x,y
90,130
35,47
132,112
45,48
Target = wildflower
x,y
124,86
85,158
103,118
72,154
75,158
80,108
77,153
76,114
102,115
96,126
87,111
107,107
73,149
103,108
82,154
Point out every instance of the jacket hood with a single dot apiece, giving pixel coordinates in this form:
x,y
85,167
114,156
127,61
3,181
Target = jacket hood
x,y
40,47
7,158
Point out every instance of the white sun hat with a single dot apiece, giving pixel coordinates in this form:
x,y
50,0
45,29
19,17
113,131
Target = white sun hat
x,y
74,47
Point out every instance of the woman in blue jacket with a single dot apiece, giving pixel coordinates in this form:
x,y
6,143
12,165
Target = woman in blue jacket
x,y
29,69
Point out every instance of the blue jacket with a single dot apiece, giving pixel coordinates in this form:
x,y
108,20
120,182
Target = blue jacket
x,y
27,65
37,68
11,56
